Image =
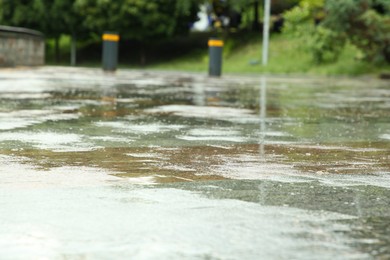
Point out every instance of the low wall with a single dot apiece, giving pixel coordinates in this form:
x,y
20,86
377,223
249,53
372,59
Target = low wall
x,y
21,47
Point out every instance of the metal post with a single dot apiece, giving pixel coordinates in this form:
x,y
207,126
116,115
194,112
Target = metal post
x,y
263,89
215,57
267,14
110,51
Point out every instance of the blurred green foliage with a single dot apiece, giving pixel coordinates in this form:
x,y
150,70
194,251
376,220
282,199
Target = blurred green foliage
x,y
300,20
326,26
139,19
135,19
364,23
52,17
277,6
85,19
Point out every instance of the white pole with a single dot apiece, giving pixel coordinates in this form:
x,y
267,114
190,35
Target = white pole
x,y
267,14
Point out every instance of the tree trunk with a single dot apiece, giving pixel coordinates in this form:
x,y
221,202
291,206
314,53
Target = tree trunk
x,y
256,25
142,55
57,49
387,53
73,51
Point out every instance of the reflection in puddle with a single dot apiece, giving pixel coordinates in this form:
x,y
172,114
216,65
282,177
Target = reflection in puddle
x,y
385,136
21,174
215,113
49,141
144,165
23,118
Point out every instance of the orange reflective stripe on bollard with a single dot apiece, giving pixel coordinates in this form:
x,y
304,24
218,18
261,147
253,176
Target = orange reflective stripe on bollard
x,y
111,37
215,43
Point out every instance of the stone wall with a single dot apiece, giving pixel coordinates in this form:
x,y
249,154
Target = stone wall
x,y
21,47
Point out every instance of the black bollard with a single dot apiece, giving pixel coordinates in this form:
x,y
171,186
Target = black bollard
x,y
110,51
215,57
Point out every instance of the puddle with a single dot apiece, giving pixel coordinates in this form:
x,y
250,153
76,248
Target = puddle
x,y
216,113
52,141
144,164
19,173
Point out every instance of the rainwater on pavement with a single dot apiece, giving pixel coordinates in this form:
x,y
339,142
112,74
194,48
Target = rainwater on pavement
x,y
163,165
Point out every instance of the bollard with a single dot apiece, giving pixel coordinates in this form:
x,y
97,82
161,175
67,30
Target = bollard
x,y
215,57
110,51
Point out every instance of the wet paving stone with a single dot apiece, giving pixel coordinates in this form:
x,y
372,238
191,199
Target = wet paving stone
x,y
281,168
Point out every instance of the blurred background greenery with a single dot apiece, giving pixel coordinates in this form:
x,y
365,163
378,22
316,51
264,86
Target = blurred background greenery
x,y
308,36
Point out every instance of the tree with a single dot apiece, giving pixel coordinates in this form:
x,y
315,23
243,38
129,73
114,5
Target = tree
x,y
253,6
20,13
62,18
138,19
133,19
52,17
325,27
302,22
364,23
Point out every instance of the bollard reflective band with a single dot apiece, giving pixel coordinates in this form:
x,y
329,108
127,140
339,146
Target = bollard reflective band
x,y
111,37
215,43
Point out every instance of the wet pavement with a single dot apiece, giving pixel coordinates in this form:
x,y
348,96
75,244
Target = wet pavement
x,y
162,165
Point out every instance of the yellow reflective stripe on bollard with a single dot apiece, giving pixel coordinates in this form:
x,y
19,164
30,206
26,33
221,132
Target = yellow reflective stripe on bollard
x,y
215,43
111,37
